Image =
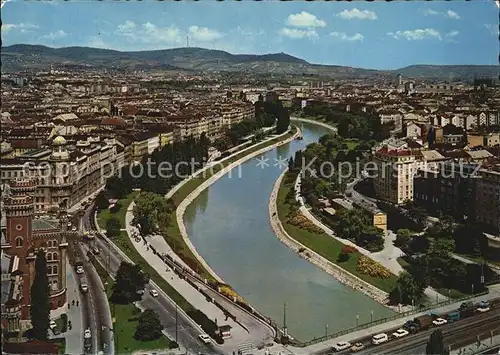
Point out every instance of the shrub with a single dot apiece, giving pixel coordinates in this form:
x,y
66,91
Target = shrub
x,y
343,257
173,345
367,266
347,249
230,293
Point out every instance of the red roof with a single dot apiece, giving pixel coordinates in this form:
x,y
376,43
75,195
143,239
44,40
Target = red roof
x,y
393,152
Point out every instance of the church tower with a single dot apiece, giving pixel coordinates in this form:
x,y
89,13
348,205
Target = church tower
x,y
19,212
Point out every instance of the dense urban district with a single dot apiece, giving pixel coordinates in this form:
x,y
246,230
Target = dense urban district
x,y
398,201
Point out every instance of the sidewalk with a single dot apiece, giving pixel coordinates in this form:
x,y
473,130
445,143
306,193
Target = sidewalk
x,y
74,337
191,294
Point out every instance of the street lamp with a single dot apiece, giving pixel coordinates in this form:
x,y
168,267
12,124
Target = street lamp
x,y
326,331
371,316
357,320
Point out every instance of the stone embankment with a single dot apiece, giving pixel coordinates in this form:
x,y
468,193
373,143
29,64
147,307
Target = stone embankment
x,y
181,209
331,268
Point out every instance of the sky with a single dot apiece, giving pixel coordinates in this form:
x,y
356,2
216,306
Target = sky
x,y
378,35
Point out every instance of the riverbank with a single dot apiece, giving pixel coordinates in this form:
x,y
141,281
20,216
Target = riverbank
x,y
342,275
181,208
317,122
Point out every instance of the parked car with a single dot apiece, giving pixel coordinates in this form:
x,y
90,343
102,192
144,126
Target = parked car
x,y
74,229
87,334
153,292
95,250
52,324
411,326
482,310
439,321
357,347
205,338
341,345
79,269
400,333
453,316
380,338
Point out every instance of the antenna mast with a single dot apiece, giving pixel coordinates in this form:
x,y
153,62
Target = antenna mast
x,y
187,41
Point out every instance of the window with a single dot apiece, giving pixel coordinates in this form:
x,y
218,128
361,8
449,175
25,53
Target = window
x,y
19,242
49,256
49,270
54,270
19,227
55,256
49,244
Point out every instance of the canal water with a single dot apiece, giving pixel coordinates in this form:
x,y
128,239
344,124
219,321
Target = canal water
x,y
229,226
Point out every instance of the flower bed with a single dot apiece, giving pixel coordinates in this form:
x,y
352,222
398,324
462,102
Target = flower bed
x,y
301,221
369,267
347,249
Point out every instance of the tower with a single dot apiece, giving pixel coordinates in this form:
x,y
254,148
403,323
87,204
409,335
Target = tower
x,y
400,79
19,212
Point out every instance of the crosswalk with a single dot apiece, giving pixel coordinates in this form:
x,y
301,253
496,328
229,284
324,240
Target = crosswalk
x,y
245,348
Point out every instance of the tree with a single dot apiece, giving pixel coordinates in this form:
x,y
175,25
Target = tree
x,y
403,238
102,200
151,211
291,164
40,304
407,290
149,326
129,279
435,345
113,227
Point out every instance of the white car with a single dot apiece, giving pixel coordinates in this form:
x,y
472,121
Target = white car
x,y
400,333
153,292
482,310
439,321
87,334
204,338
52,324
74,229
79,269
341,345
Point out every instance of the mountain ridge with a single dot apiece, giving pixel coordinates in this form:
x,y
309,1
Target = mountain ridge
x,y
22,56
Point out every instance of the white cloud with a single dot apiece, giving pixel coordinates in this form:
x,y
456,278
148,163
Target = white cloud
x,y
418,34
204,34
493,29
430,12
54,35
304,19
296,33
22,27
127,26
249,33
342,36
498,3
150,33
357,14
453,33
452,15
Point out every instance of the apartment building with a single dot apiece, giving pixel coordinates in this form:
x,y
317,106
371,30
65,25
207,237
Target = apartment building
x,y
235,112
65,173
488,199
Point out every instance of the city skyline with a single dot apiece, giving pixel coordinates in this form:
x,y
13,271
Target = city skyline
x,y
367,35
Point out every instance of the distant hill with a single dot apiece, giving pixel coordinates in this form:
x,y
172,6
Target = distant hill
x,y
23,56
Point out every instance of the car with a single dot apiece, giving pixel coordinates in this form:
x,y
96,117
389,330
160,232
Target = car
x,y
400,333
87,334
357,347
74,229
482,310
95,250
153,292
79,269
341,345
204,338
380,338
439,321
52,324
140,292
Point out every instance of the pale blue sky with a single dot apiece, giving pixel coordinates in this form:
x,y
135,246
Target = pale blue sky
x,y
359,34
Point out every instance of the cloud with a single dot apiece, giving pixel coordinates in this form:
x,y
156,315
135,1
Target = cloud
x,y
414,35
21,27
249,33
493,29
150,33
297,34
453,33
452,14
127,26
204,34
357,14
304,19
54,35
447,14
498,3
342,36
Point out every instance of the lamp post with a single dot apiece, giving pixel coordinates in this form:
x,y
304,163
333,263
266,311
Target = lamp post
x,y
357,320
326,331
371,316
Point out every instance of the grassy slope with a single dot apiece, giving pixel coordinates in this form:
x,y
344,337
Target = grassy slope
x,y
325,245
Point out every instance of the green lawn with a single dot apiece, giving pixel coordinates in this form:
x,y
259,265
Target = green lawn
x,y
402,262
352,143
325,245
455,294
172,235
106,214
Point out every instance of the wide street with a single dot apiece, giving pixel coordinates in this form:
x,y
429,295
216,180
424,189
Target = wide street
x,y
111,257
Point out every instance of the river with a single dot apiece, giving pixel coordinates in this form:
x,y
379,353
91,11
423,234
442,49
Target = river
x,y
229,226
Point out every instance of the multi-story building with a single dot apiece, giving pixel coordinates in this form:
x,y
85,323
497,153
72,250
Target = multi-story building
x,y
65,174
23,236
488,199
